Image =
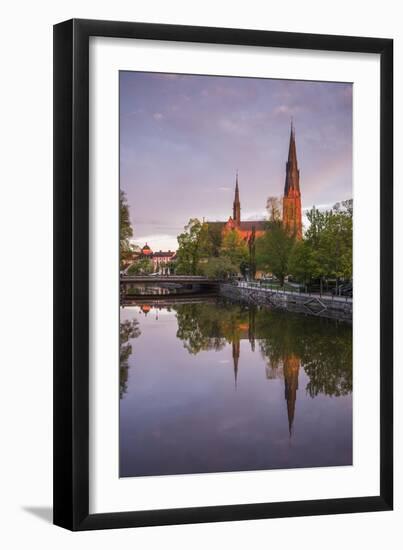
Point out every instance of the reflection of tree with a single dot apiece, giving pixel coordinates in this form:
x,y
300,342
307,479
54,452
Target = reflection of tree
x,y
128,330
324,348
208,326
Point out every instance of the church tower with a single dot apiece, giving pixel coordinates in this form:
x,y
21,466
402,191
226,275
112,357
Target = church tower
x,y
237,205
292,217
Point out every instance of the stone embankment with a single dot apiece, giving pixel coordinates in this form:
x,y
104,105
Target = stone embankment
x,y
334,307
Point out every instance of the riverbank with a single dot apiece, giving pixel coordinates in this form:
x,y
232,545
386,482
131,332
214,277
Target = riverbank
x,y
333,307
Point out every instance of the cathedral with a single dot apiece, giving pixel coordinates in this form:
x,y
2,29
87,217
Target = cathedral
x,y
292,213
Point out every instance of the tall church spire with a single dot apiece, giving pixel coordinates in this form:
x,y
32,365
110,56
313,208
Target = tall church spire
x,y
237,204
292,217
292,172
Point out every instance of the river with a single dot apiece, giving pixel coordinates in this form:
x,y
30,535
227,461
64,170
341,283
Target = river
x,y
216,386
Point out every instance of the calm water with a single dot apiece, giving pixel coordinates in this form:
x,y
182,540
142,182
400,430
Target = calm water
x,y
214,386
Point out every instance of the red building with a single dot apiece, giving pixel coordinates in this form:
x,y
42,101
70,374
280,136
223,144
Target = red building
x,y
160,259
246,229
292,212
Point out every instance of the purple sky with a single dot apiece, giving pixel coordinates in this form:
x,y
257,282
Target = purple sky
x,y
182,138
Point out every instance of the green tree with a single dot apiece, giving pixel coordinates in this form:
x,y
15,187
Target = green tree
x,y
273,250
301,263
125,230
218,268
189,249
143,266
235,249
329,239
210,239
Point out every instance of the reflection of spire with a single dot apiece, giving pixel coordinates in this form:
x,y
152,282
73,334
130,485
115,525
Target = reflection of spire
x,y
251,328
235,356
291,366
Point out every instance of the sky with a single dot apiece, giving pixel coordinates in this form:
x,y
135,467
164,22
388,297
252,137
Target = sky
x,y
183,137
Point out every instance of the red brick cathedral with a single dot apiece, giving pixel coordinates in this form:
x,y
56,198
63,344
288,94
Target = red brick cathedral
x,y
292,216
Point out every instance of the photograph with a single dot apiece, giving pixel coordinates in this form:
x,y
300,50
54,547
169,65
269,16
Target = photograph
x,y
236,280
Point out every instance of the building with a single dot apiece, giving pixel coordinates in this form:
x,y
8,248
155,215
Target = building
x,y
246,229
160,260
292,212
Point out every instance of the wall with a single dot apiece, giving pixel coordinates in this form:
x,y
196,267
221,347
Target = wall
x,y
324,306
26,225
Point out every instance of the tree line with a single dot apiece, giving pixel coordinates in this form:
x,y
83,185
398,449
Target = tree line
x,y
325,252
203,249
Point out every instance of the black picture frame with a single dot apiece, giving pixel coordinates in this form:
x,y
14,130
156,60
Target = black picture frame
x,y
71,274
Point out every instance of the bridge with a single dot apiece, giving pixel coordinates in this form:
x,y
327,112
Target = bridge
x,y
160,279
168,299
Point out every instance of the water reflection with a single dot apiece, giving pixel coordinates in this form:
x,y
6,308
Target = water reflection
x,y
286,349
129,330
286,341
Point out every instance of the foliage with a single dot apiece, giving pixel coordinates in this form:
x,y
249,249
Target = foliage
x,y
273,250
210,240
218,268
143,266
234,249
301,263
203,250
322,347
327,248
205,326
125,229
189,249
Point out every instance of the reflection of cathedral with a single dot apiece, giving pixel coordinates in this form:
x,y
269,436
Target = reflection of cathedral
x,y
287,368
243,331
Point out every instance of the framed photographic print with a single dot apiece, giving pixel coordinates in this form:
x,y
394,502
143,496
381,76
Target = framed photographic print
x,y
223,319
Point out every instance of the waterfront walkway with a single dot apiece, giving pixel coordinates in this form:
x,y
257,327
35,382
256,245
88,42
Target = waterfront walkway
x,y
267,288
